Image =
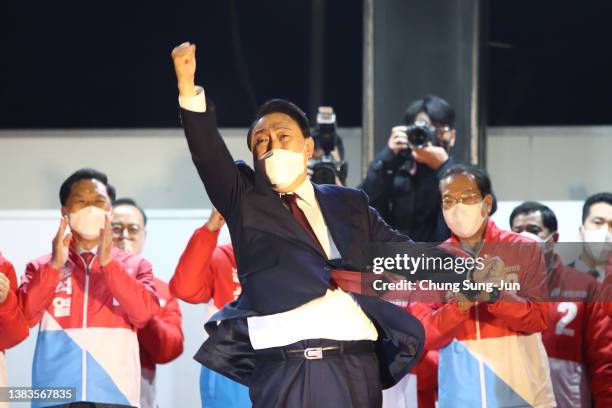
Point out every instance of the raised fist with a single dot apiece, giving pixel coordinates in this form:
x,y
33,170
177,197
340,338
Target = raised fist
x,y
184,60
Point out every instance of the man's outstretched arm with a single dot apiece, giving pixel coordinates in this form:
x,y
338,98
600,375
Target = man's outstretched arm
x,y
222,179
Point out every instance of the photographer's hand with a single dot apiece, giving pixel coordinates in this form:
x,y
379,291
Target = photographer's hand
x,y
398,140
432,156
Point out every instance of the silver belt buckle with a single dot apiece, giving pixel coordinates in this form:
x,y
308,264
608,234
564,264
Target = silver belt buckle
x,y
313,353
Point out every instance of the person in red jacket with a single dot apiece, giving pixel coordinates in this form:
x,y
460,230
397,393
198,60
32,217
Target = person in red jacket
x,y
607,290
578,340
489,341
13,326
207,272
161,340
90,298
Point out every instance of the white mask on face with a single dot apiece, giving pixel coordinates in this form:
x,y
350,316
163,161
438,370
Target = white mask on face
x,y
88,221
598,243
543,242
282,167
464,219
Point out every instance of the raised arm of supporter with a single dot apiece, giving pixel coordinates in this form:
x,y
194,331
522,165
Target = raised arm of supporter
x,y
135,293
13,325
526,310
193,279
162,338
42,276
37,289
221,177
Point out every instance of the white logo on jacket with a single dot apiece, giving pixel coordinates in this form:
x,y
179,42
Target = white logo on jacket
x,y
61,303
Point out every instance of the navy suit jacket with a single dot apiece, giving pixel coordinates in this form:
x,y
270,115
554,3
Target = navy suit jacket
x,y
279,265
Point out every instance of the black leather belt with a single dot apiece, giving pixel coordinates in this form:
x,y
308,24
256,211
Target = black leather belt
x,y
316,353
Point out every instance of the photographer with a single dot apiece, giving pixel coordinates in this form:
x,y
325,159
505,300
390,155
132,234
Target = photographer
x,y
402,181
327,164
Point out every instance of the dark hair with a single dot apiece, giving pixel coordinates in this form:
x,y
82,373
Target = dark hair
x,y
84,174
603,197
482,179
549,219
281,106
438,110
130,201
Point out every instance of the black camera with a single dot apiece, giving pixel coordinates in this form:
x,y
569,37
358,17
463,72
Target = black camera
x,y
324,167
421,134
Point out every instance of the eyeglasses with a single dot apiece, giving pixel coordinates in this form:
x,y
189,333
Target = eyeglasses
x,y
449,202
441,129
132,229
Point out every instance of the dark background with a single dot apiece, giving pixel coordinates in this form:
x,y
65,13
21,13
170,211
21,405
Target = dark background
x,y
107,64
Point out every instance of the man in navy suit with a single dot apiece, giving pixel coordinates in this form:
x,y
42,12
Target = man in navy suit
x,y
293,337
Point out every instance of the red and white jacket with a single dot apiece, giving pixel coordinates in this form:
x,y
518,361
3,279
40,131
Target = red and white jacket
x,y
578,340
607,289
161,341
206,271
88,317
470,344
13,326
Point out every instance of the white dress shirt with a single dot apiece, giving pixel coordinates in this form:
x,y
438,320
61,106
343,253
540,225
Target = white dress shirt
x,y
335,315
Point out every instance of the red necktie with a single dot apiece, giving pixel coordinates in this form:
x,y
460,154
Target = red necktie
x,y
87,257
300,217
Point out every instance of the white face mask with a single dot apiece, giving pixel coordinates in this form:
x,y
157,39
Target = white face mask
x,y
464,219
543,242
88,221
598,243
282,167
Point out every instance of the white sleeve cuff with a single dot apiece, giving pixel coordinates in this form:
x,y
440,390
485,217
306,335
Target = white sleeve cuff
x,y
195,103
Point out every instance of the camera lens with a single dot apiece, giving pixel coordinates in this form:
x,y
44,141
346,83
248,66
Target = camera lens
x,y
418,137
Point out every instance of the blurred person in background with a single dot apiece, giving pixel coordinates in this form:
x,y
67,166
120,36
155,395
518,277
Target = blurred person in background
x,y
328,164
13,326
490,347
90,299
206,273
578,339
607,289
596,234
161,340
402,181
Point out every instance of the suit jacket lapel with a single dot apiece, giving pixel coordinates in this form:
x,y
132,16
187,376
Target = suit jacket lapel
x,y
272,204
332,211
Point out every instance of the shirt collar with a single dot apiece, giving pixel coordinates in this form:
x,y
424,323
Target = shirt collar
x,y
306,193
93,250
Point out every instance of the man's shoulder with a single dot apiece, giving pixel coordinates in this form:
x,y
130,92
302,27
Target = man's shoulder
x,y
40,260
340,191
